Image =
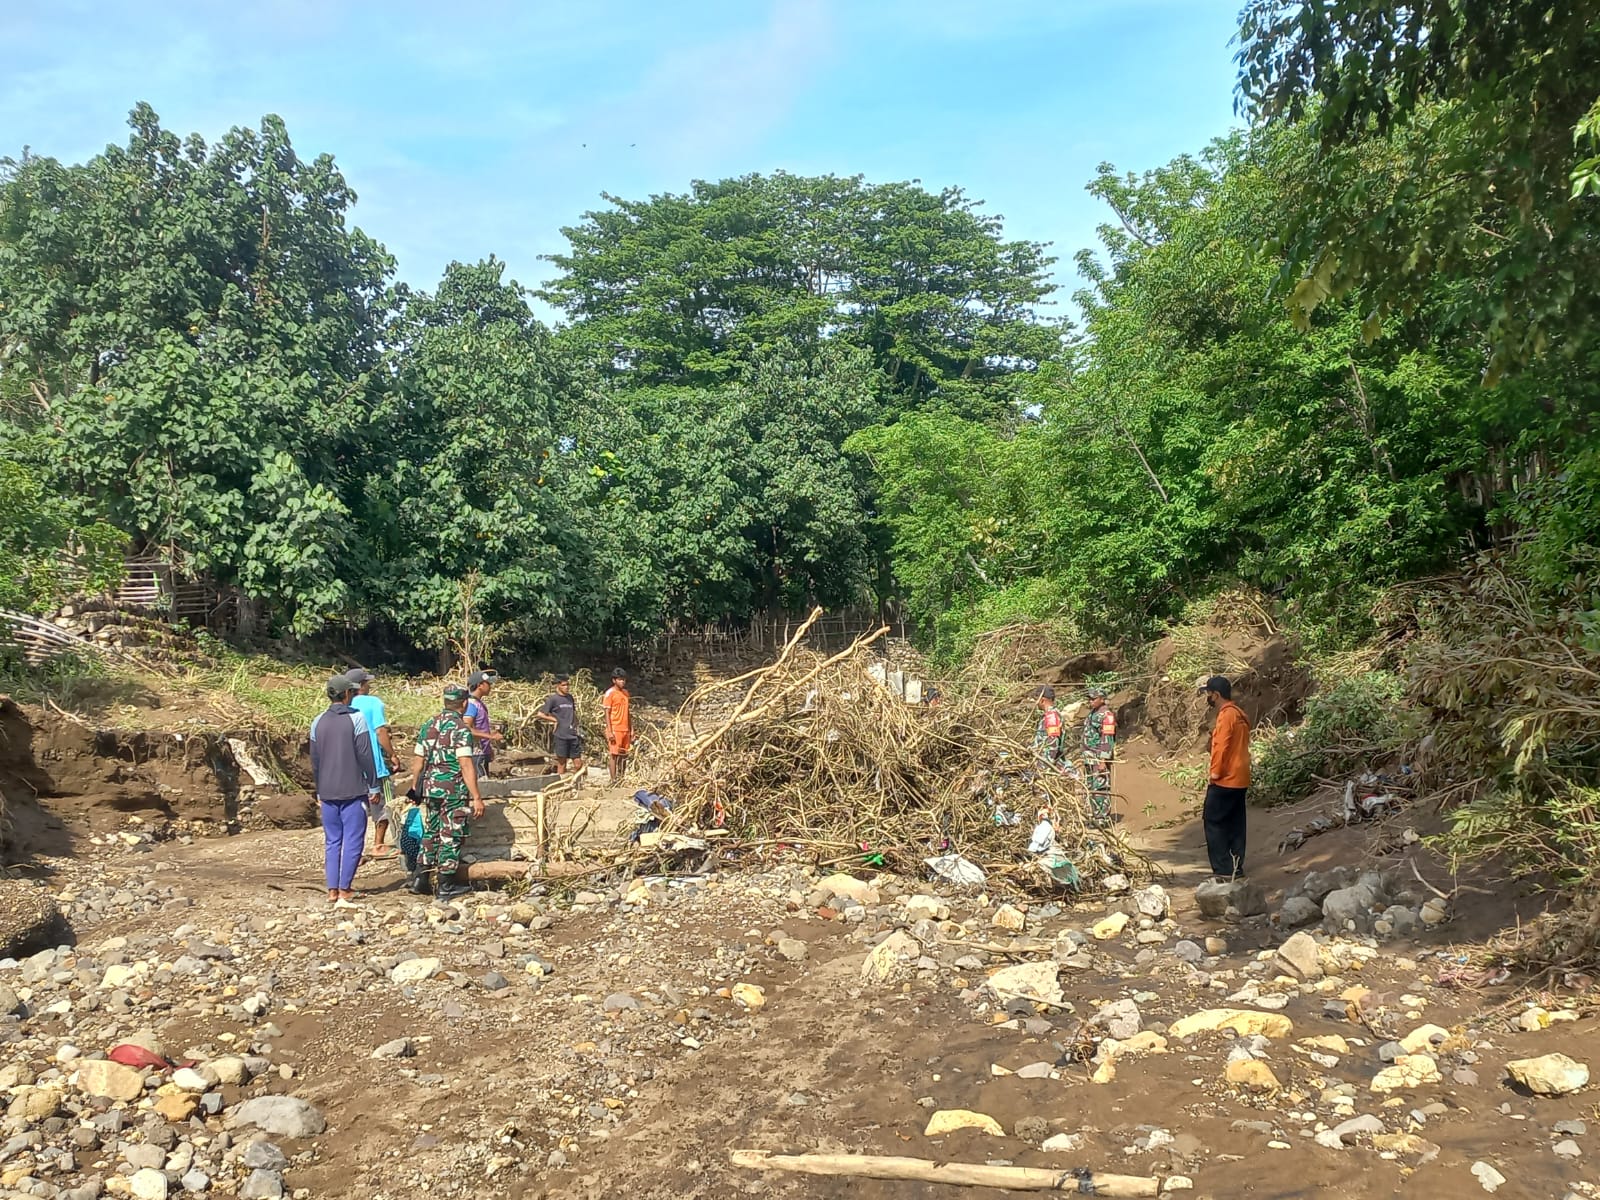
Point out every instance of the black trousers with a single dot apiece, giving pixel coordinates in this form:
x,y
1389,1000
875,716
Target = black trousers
x,y
1224,821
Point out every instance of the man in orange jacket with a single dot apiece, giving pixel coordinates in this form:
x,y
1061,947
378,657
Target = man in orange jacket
x,y
1224,812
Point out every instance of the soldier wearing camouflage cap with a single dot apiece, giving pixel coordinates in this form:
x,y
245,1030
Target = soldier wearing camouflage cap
x,y
446,784
1099,746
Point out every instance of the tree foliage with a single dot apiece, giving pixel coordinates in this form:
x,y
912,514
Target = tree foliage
x,y
681,289
1194,433
197,324
1455,138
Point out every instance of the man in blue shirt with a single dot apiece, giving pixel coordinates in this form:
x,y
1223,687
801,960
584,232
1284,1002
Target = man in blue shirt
x,y
370,707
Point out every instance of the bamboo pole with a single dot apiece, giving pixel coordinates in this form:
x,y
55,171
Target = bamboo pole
x,y
922,1170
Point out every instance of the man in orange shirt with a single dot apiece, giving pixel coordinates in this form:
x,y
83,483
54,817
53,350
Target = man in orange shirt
x,y
1224,812
619,723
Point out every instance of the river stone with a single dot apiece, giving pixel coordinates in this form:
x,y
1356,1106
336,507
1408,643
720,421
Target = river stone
x,y
948,1120
1549,1074
282,1116
148,1184
1230,899
1300,957
1298,911
102,1077
1244,1022
848,887
1036,981
414,970
892,960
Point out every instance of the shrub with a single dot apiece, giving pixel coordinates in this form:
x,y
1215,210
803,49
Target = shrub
x,y
1357,722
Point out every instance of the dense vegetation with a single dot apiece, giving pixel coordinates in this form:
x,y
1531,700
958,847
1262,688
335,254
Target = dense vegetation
x,y
1338,349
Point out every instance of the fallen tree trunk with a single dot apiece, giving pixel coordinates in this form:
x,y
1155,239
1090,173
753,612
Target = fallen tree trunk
x,y
501,869
922,1170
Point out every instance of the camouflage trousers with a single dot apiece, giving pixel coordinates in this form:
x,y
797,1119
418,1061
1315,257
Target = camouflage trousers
x,y
444,828
1097,774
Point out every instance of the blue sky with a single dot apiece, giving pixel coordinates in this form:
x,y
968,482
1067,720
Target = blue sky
x,y
474,127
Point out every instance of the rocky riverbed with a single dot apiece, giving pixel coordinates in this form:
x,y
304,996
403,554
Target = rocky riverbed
x,y
211,1027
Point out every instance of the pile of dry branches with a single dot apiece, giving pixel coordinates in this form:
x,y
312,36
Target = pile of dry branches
x,y
817,753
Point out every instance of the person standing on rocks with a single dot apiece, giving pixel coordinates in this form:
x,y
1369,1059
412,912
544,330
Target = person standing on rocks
x,y
484,737
372,708
619,723
560,710
1048,736
1224,811
446,781
1099,747
345,777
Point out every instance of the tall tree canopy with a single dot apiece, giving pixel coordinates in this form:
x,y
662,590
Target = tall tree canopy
x,y
681,289
199,327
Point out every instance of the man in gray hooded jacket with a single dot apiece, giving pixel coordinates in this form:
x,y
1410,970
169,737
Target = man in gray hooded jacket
x,y
346,778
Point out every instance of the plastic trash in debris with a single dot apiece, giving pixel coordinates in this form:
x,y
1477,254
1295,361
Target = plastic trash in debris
x,y
1043,838
956,869
1061,869
654,809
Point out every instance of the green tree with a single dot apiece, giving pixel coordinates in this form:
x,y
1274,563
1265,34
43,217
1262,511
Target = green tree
x,y
468,482
682,289
714,503
48,549
196,329
1455,139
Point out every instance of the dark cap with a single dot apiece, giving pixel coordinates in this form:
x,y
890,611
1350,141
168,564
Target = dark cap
x,y
619,673
1047,693
339,686
359,675
478,677
454,693
1096,693
1220,685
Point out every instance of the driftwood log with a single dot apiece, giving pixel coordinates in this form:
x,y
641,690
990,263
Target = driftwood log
x,y
502,869
922,1170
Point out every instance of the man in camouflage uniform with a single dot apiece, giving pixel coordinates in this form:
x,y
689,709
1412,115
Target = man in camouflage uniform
x,y
447,786
1049,742
1099,745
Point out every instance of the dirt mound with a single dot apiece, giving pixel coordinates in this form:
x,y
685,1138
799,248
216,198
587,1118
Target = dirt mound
x,y
25,826
55,770
29,919
1269,683
1079,668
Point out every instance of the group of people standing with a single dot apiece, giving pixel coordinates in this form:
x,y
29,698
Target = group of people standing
x,y
560,712
354,765
1228,777
1097,744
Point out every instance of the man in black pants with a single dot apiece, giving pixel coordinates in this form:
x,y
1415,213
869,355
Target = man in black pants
x,y
1224,812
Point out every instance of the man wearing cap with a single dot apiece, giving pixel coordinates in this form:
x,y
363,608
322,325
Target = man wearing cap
x,y
370,707
619,723
561,711
485,739
1229,780
345,777
1099,746
446,782
1048,737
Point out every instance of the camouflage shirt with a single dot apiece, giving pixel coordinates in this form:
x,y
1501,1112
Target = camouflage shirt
x,y
1100,733
443,742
